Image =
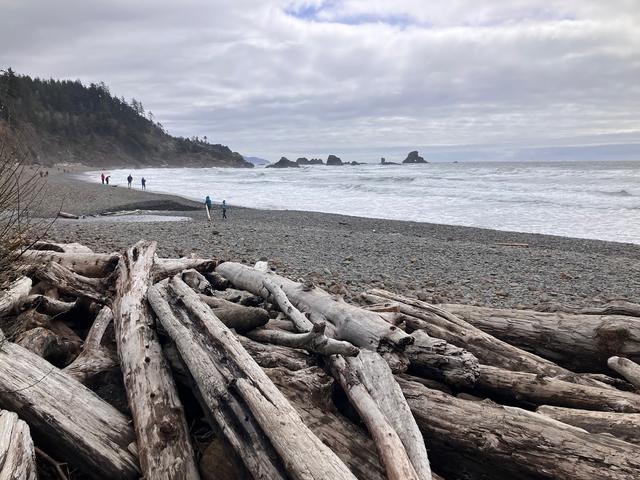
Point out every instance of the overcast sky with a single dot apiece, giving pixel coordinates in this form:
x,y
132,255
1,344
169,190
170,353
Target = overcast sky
x,y
358,78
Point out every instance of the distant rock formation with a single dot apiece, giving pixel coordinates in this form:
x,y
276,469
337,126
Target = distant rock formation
x,y
333,160
354,163
284,162
383,161
303,161
316,161
413,157
257,161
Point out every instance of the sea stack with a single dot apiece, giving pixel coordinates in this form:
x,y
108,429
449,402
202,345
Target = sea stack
x,y
413,157
333,160
284,162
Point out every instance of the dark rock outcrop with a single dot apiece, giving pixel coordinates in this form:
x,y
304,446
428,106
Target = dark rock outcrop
x,y
316,161
284,162
383,161
333,160
303,161
413,157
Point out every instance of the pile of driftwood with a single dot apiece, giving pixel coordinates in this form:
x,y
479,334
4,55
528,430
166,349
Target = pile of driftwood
x,y
129,365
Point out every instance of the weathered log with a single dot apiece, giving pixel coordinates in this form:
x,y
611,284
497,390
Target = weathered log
x,y
435,358
305,389
276,295
13,295
217,281
216,359
577,342
94,359
551,391
60,247
393,454
82,263
197,281
164,445
377,378
271,356
96,289
313,341
238,317
48,345
615,307
628,369
527,443
17,456
168,267
72,421
625,426
239,296
360,327
45,305
487,349
62,214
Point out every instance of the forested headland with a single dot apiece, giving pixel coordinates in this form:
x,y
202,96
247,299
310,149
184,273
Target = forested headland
x,y
65,121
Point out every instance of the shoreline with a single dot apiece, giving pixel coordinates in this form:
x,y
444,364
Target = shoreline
x,y
346,255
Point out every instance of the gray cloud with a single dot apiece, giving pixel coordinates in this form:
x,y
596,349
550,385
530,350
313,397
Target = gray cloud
x,y
357,77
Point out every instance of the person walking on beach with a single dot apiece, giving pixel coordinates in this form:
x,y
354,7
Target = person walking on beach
x,y
102,177
106,179
129,180
207,203
224,209
144,183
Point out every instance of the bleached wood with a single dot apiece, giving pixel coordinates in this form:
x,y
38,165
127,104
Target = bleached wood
x,y
17,456
614,307
70,420
582,342
49,345
551,391
86,264
527,443
93,358
207,346
69,282
168,267
164,445
625,426
13,295
314,341
44,304
628,369
435,358
488,350
238,317
358,326
61,247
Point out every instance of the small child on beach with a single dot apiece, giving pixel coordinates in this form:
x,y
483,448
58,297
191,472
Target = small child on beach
x,y
224,209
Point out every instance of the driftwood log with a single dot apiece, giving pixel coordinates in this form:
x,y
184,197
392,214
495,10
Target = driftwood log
x,y
541,390
238,317
524,442
71,283
14,294
94,359
628,369
360,327
625,426
82,263
164,444
66,417
577,342
17,456
215,359
614,307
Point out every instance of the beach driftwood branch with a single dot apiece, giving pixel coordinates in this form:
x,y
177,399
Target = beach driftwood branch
x,y
17,455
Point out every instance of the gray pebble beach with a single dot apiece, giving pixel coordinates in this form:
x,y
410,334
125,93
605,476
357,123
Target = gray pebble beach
x,y
347,255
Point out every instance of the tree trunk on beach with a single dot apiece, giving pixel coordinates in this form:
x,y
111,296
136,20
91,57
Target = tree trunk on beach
x,y
349,323
65,416
524,442
628,369
582,342
164,445
625,426
17,456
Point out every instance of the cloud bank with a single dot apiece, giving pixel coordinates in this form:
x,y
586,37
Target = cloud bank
x,y
359,78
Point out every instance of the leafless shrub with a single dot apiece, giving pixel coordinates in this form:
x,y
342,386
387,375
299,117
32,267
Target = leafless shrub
x,y
22,189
